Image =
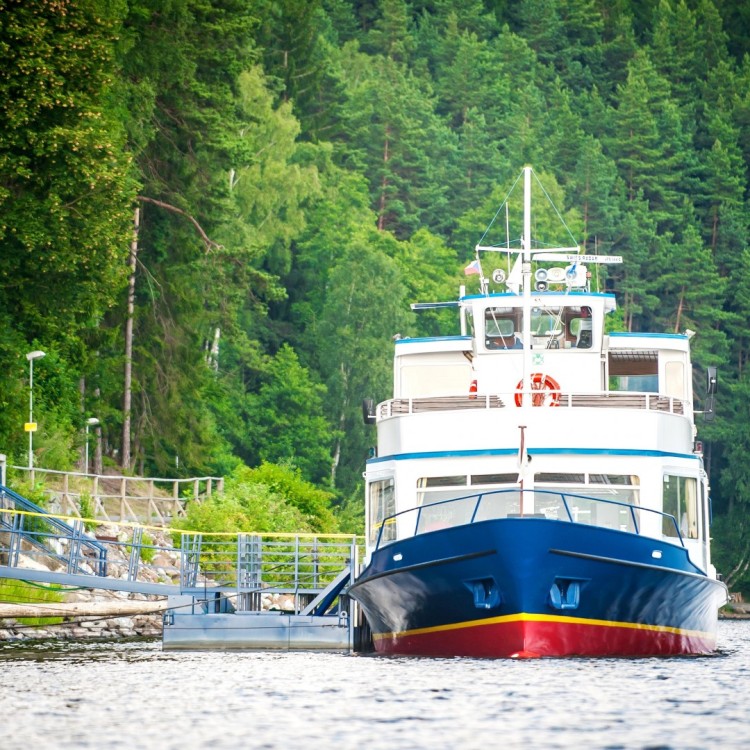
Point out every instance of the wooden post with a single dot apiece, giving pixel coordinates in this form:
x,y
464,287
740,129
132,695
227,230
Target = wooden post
x,y
65,498
176,498
123,493
152,501
95,494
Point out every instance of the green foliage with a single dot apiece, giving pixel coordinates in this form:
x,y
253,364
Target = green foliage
x,y
306,170
731,549
251,505
21,592
87,510
313,502
67,182
285,419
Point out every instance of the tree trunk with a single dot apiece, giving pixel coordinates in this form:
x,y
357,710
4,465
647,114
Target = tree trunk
x,y
679,311
83,609
128,384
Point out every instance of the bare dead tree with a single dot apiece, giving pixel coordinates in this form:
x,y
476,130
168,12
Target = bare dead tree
x,y
133,263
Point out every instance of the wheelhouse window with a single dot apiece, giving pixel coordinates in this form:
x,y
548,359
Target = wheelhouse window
x,y
501,325
568,327
382,506
560,327
579,327
680,501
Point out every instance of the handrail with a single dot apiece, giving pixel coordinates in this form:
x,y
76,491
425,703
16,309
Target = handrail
x,y
55,528
564,496
596,400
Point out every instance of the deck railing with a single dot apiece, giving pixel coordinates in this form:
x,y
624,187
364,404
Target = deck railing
x,y
603,400
566,507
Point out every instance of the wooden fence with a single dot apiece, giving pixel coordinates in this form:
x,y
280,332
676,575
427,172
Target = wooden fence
x,y
109,497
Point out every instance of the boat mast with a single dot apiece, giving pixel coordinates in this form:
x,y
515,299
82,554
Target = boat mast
x,y
526,276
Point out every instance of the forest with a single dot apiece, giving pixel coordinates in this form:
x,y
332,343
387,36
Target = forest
x,y
215,213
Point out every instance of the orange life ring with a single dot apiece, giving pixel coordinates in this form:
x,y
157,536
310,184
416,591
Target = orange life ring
x,y
548,390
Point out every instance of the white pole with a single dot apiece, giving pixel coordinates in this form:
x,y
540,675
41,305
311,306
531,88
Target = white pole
x,y
526,275
31,416
89,423
31,356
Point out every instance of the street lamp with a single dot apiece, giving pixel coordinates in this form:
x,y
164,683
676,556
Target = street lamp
x,y
89,423
30,426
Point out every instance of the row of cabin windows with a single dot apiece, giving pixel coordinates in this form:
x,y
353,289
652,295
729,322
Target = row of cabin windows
x,y
680,501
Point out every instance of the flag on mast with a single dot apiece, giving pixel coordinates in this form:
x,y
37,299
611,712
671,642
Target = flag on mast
x,y
473,267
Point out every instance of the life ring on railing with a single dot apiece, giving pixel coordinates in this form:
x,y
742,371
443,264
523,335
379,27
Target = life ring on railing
x,y
546,387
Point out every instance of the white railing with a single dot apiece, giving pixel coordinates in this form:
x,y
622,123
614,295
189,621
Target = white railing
x,y
603,400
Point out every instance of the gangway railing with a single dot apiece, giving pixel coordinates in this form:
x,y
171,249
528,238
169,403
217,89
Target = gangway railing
x,y
26,525
245,571
257,565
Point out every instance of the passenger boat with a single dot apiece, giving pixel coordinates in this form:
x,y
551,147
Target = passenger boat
x,y
537,488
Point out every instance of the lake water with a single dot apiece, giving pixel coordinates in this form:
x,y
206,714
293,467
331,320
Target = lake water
x,y
134,695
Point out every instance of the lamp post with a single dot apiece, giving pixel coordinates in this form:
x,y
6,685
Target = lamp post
x,y
30,426
89,423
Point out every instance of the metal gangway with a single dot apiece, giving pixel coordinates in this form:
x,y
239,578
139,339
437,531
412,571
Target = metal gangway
x,y
225,590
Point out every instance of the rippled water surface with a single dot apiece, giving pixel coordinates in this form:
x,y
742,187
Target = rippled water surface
x,y
134,695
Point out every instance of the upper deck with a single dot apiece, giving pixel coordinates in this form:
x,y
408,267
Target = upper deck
x,y
567,346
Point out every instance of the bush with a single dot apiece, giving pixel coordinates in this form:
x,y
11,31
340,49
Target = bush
x,y
86,509
288,486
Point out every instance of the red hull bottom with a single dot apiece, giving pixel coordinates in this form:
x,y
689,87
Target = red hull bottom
x,y
523,637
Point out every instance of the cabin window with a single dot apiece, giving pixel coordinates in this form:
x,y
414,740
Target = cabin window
x,y
447,501
442,481
596,499
680,500
382,506
480,479
634,371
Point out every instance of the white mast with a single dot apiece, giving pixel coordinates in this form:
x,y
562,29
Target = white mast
x,y
526,275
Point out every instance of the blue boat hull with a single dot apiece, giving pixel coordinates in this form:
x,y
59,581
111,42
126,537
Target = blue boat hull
x,y
531,587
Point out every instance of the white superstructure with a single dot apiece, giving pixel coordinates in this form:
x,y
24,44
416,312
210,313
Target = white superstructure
x,y
535,394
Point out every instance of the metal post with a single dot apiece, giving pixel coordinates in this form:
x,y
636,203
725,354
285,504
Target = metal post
x,y
89,423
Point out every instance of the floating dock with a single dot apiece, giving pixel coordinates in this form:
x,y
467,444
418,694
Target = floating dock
x,y
225,591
